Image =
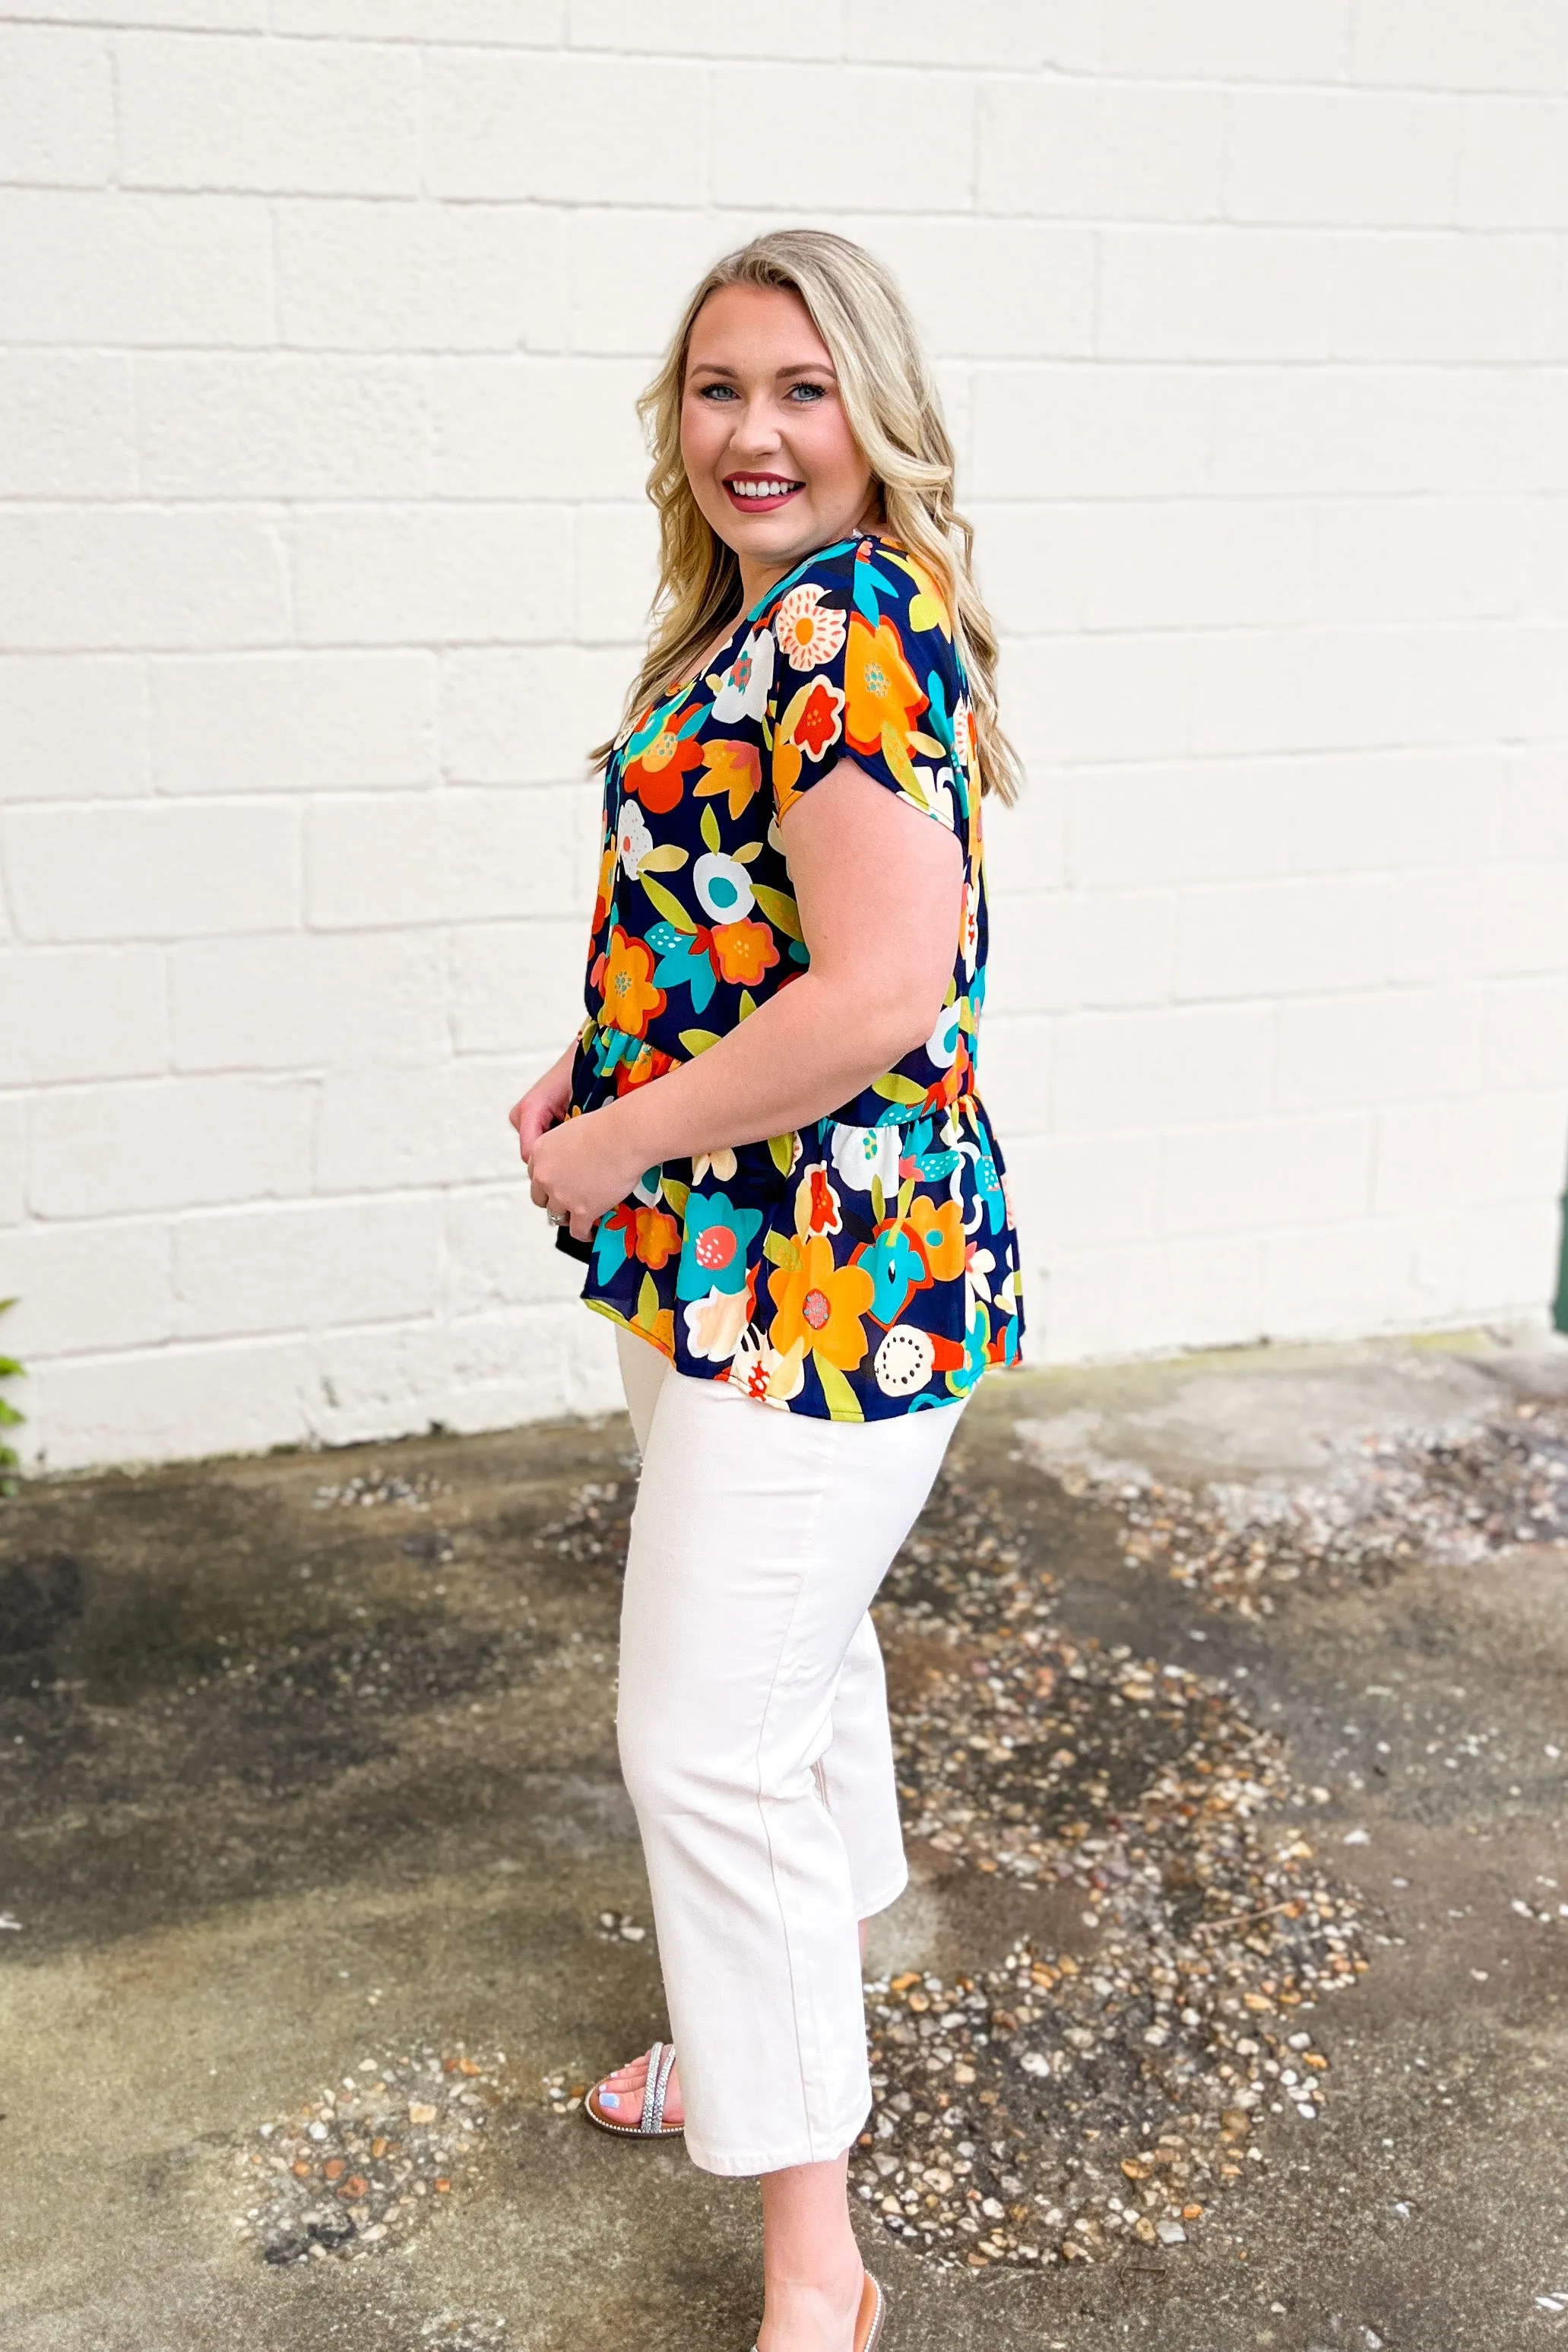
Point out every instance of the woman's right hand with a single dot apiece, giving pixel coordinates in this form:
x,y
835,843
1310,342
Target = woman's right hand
x,y
545,1102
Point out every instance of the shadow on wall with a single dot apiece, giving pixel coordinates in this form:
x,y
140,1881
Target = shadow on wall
x,y
1560,1304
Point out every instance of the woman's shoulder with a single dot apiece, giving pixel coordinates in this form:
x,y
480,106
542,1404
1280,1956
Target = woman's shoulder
x,y
872,577
826,572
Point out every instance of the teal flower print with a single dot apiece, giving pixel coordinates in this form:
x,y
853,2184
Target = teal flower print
x,y
718,1238
897,1271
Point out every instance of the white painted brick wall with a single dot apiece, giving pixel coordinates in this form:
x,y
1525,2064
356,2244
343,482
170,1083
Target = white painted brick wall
x,y
323,554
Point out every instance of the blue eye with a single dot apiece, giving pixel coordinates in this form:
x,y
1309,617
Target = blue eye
x,y
812,391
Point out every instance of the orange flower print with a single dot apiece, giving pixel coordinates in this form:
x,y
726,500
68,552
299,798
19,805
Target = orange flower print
x,y
732,767
630,996
817,719
808,637
937,1228
817,1203
809,725
657,775
820,1305
658,1238
881,696
744,951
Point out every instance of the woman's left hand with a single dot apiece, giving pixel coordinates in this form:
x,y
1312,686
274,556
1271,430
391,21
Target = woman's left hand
x,y
581,1171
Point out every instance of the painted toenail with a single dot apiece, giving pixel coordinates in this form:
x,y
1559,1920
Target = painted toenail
x,y
610,2098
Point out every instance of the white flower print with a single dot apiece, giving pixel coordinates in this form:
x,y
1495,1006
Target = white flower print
x,y
714,1324
808,637
723,887
632,839
905,1360
970,928
744,690
937,795
860,1153
964,735
763,1372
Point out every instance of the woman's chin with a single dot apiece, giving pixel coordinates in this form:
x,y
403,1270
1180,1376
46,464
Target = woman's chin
x,y
782,537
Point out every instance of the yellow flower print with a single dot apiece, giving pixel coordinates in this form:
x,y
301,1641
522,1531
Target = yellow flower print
x,y
882,698
820,1305
733,768
939,1231
927,606
629,998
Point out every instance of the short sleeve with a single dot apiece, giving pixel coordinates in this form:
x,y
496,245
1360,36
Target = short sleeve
x,y
866,667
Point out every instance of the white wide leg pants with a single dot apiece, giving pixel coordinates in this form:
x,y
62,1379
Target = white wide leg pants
x,y
755,1743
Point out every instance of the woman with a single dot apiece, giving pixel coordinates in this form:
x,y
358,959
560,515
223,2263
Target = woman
x,y
768,1129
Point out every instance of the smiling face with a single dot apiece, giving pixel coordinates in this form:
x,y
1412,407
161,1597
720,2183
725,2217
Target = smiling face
x,y
765,436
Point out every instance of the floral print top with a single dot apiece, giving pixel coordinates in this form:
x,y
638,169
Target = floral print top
x,y
866,1266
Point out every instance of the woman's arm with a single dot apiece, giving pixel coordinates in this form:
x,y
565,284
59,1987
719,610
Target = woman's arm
x,y
878,886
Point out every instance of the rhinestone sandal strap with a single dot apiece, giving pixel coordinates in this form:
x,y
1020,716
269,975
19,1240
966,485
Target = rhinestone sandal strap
x,y
651,2088
666,2068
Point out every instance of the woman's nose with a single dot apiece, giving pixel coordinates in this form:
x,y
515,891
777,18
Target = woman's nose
x,y
756,434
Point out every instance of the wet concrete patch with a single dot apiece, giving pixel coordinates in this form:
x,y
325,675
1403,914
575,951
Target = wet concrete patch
x,y
313,1675
240,1872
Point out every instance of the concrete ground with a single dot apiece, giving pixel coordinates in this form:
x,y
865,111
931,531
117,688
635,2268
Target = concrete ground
x,y
292,1782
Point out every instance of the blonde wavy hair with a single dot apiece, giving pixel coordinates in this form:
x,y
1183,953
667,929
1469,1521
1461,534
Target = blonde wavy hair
x,y
895,416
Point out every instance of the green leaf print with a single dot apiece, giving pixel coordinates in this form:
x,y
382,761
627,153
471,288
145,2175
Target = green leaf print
x,y
836,1393
893,1088
697,1041
669,906
779,908
782,1148
710,829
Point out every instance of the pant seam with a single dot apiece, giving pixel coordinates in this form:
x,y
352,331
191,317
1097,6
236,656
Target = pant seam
x,y
819,1505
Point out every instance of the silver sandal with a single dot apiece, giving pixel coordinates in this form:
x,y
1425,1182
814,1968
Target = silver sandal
x,y
869,2318
651,2125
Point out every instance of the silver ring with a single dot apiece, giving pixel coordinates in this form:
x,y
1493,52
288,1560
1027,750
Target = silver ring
x,y
556,1219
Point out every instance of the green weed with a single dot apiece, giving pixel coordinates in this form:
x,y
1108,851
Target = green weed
x,y
10,1369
